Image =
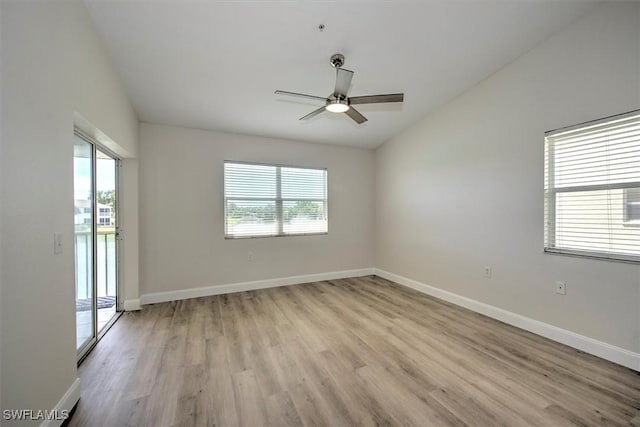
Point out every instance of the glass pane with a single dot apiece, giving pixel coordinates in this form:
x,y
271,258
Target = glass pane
x,y
606,153
304,216
251,218
249,181
106,238
83,220
298,183
595,221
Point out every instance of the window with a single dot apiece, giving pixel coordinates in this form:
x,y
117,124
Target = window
x,y
271,200
592,188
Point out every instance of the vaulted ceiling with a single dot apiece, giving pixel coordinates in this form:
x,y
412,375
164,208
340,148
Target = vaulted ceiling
x,y
216,64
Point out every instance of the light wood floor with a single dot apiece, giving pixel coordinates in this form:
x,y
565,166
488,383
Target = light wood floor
x,y
345,352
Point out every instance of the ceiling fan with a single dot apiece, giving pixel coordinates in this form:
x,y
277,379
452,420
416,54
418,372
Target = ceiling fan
x,y
338,101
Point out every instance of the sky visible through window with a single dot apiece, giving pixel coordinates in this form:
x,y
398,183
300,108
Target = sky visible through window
x,y
106,179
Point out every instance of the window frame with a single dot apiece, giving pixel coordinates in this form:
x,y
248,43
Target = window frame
x,y
278,201
550,192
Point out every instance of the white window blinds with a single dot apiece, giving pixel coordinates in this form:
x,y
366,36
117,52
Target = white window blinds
x,y
592,189
271,200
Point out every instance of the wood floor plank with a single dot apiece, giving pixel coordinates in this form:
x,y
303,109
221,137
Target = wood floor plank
x,y
360,351
254,351
405,407
281,411
192,406
250,403
326,393
220,390
367,410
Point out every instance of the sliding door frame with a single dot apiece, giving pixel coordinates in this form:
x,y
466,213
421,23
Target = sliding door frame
x,y
98,334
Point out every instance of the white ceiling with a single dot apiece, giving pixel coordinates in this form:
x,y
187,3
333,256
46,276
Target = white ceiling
x,y
215,64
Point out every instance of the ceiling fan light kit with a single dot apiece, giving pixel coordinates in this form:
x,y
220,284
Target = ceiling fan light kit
x,y
337,106
339,102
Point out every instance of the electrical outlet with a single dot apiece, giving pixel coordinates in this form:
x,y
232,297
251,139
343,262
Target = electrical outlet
x,y
249,256
487,272
561,288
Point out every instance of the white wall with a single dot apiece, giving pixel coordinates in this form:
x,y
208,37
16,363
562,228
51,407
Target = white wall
x,y
1,198
181,205
129,230
463,188
53,65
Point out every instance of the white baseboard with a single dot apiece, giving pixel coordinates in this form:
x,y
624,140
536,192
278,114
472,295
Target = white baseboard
x,y
66,403
131,305
157,297
601,349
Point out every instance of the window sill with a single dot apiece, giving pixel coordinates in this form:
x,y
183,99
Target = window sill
x,y
275,235
629,259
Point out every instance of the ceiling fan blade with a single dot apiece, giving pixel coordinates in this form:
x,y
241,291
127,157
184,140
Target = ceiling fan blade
x,y
343,82
312,114
355,115
377,99
301,95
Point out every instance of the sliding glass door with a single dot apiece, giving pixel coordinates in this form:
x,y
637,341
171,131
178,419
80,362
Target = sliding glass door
x,y
84,198
106,242
96,242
